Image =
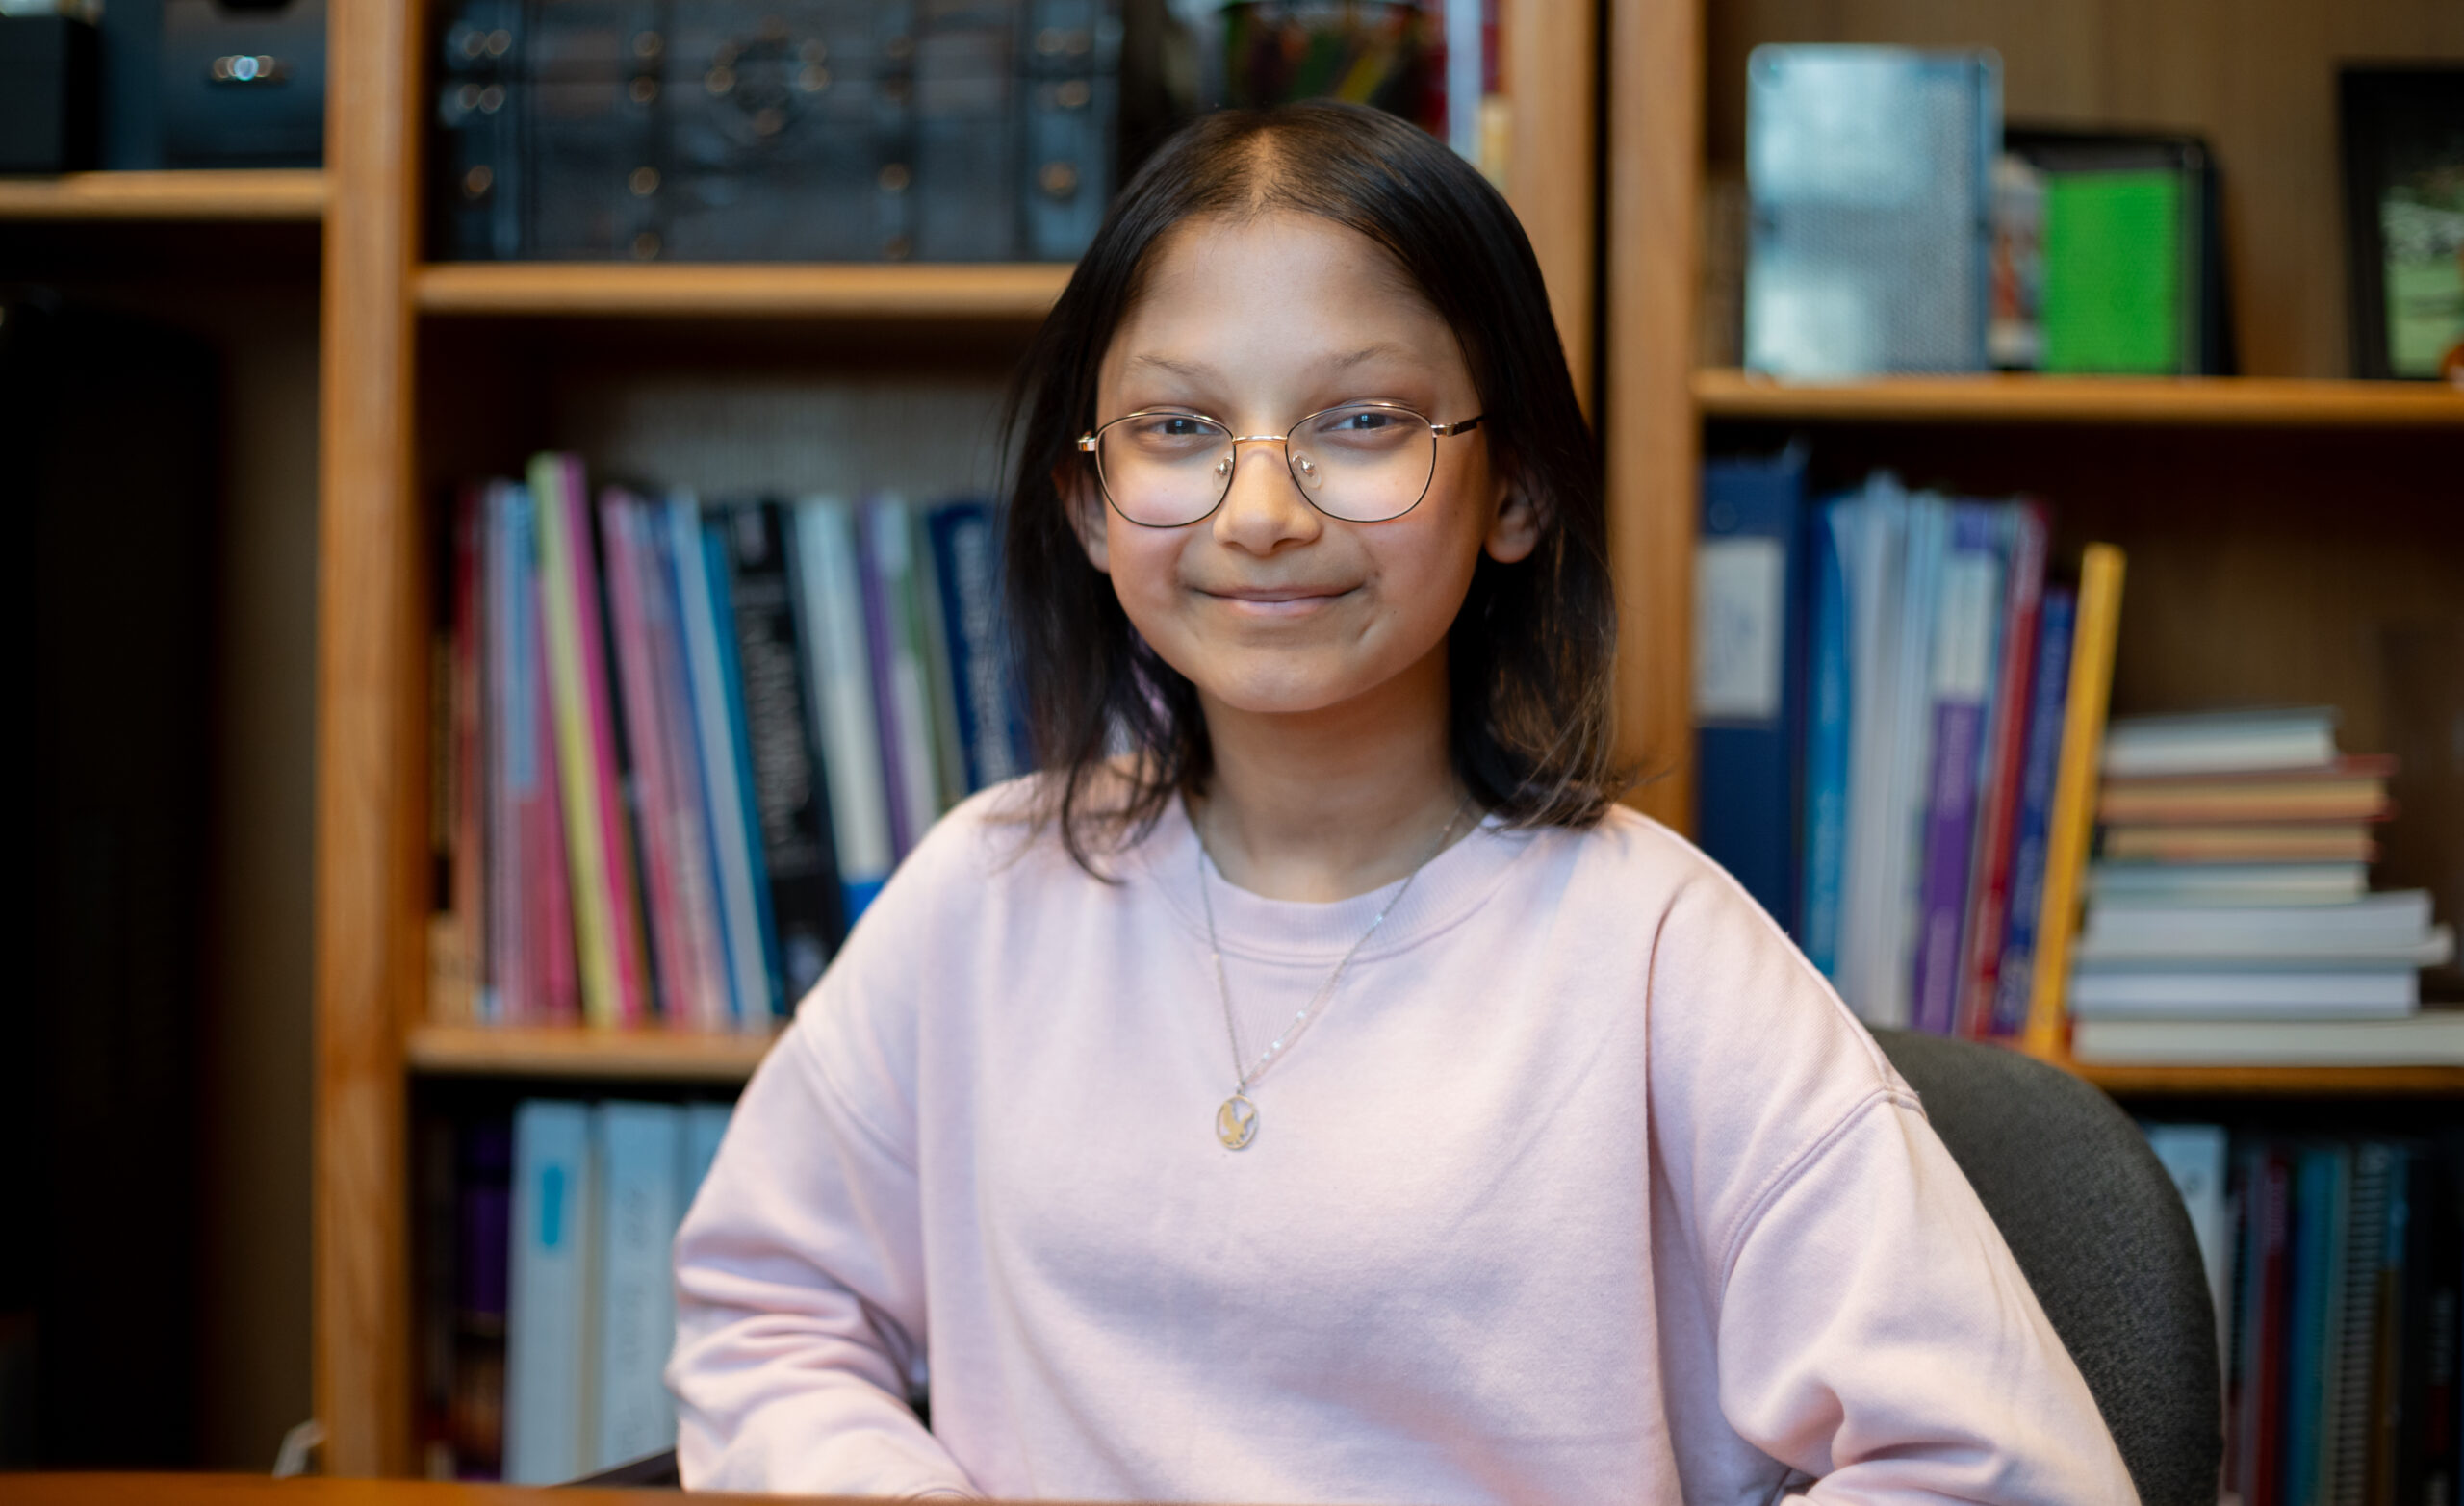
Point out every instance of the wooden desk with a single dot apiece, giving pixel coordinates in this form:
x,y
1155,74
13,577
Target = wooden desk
x,y
256,1489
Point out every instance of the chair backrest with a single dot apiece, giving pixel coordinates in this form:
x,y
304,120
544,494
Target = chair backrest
x,y
2100,1232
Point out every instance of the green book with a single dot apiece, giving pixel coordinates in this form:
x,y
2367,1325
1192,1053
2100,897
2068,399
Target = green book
x,y
2113,256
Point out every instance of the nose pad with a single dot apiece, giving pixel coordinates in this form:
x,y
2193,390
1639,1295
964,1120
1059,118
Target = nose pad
x,y
1224,466
1308,470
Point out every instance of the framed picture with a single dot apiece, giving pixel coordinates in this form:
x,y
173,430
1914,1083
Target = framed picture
x,y
2404,180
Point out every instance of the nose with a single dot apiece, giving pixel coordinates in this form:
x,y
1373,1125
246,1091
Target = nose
x,y
1263,511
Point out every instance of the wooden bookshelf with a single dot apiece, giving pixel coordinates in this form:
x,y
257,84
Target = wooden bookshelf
x,y
202,194
595,1055
435,372
2126,1081
2146,401
1019,293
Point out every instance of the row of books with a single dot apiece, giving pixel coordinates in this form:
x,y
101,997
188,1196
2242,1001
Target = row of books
x,y
2335,1263
686,742
549,1292
1898,707
2228,915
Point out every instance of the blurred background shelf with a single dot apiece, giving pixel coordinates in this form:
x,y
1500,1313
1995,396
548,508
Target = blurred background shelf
x,y
2220,401
2265,1081
998,292
574,1052
256,193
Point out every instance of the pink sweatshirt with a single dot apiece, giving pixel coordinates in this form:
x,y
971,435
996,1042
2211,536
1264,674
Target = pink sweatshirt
x,y
1583,1187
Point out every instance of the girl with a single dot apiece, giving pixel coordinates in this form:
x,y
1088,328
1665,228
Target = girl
x,y
1310,1086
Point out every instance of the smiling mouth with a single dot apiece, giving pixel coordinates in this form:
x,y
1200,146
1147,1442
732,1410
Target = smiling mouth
x,y
1278,600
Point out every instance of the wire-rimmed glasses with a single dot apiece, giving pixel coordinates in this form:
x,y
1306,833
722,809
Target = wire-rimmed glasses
x,y
1361,462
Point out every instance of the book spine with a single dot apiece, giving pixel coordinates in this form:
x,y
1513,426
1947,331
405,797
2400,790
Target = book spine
x,y
641,1149
1828,690
1961,679
706,1125
467,785
935,648
791,807
962,562
2347,1465
594,818
2267,1432
2074,796
688,815
507,995
831,587
767,1001
644,720
554,943
2242,1364
2048,693
1747,661
546,1330
731,839
875,524
2005,763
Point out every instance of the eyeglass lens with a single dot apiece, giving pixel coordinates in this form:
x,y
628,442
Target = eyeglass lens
x,y
1361,464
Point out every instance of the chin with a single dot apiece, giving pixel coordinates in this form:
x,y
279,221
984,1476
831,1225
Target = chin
x,y
1283,689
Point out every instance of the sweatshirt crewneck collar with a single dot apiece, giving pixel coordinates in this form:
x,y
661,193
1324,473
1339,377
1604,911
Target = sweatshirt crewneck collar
x,y
1251,926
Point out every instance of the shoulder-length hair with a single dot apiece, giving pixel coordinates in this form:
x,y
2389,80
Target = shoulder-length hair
x,y
1118,732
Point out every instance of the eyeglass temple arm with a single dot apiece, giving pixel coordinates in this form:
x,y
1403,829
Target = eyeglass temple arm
x,y
1448,430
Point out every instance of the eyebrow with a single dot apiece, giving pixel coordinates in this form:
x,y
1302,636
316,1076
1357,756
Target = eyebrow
x,y
1199,370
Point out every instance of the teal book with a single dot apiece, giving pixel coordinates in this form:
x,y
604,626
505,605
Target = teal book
x,y
640,1148
546,1313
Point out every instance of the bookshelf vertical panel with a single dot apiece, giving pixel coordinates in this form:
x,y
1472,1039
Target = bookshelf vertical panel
x,y
370,782
1550,51
1655,134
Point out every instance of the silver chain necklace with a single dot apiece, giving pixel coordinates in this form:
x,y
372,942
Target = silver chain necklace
x,y
1235,1122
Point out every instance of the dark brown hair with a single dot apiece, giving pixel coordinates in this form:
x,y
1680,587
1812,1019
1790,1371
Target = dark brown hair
x,y
1529,656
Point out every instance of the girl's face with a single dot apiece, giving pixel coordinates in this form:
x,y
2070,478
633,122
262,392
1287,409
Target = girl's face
x,y
1268,604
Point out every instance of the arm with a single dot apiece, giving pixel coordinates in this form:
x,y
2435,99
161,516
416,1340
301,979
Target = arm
x,y
1876,1335
800,1298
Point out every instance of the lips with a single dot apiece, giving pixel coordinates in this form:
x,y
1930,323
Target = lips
x,y
1276,601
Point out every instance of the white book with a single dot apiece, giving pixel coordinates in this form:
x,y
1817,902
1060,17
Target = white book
x,y
1872,540
2433,948
547,1301
911,740
739,907
2394,918
2247,994
2220,741
1463,59
1908,799
706,1125
2193,1156
845,729
2428,1039
2117,884
641,1157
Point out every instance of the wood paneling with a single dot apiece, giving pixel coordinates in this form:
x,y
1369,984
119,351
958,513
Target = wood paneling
x,y
205,194
1648,417
2256,77
2139,401
371,776
597,1055
1550,54
652,290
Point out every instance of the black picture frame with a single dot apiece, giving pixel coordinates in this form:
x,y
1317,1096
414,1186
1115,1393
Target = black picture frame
x,y
2394,119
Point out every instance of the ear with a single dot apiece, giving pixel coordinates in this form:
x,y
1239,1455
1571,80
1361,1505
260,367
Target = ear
x,y
1083,501
1514,530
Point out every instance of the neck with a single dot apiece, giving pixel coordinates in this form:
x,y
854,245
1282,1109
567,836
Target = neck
x,y
1327,805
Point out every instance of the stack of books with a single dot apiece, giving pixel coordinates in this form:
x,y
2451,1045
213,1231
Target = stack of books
x,y
549,1300
683,744
2229,918
2333,1260
1899,696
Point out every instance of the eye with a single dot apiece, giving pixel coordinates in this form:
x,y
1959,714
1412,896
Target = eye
x,y
1361,420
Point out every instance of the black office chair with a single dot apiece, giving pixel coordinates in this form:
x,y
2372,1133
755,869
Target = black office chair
x,y
2097,1227
2101,1234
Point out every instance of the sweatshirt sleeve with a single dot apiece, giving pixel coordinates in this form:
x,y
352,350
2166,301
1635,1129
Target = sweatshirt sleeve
x,y
1872,1332
1876,1335
800,1269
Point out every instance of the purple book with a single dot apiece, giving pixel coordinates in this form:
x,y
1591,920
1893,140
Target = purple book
x,y
1961,682
870,519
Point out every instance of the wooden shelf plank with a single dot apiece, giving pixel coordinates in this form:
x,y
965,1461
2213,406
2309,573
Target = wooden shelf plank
x,y
2220,401
237,193
607,1055
1022,291
2124,1081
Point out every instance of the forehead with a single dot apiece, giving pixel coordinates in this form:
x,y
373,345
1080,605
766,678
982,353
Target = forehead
x,y
1283,282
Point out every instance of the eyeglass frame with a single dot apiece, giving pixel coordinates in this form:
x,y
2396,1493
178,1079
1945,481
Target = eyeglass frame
x,y
1093,438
